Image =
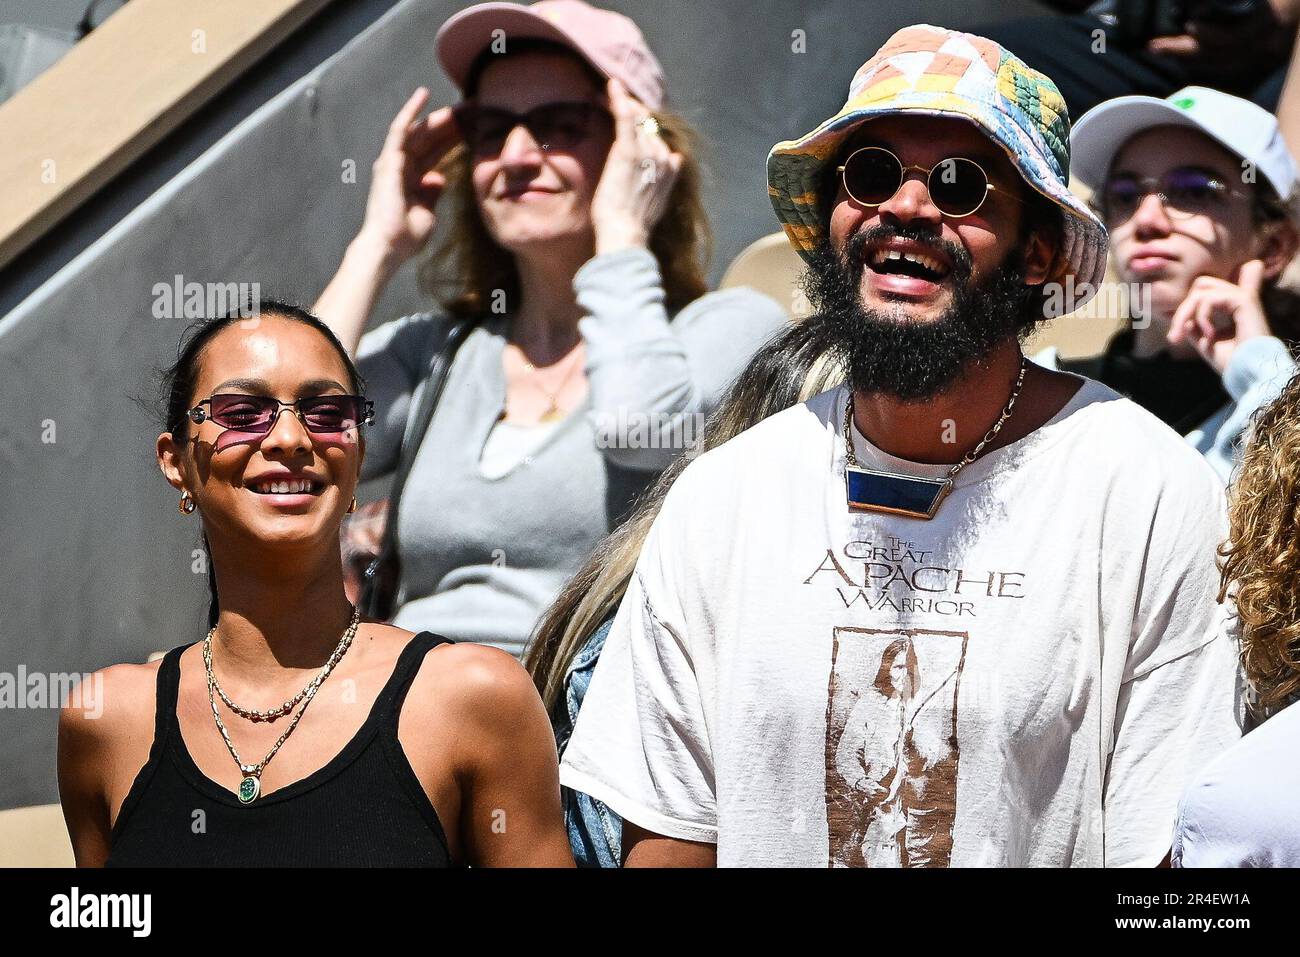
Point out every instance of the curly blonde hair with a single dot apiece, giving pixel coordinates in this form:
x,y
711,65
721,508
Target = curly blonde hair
x,y
1261,567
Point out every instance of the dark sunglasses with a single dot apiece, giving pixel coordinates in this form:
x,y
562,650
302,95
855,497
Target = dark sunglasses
x,y
957,186
555,126
257,414
1184,192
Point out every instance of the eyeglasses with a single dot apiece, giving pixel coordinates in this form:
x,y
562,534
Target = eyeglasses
x,y
555,126
257,414
957,186
1184,192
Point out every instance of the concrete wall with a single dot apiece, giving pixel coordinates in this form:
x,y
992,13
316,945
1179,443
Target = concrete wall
x,y
98,564
56,14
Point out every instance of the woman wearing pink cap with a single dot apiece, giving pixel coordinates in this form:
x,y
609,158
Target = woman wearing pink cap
x,y
582,347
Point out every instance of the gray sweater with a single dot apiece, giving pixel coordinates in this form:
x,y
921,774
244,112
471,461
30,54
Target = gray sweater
x,y
482,558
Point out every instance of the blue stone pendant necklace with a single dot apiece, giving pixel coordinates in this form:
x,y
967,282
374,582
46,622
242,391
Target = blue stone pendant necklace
x,y
874,490
250,787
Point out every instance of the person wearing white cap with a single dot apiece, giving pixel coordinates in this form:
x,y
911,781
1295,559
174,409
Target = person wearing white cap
x,y
568,195
1198,192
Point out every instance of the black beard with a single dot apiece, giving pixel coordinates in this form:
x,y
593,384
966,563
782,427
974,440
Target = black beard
x,y
885,353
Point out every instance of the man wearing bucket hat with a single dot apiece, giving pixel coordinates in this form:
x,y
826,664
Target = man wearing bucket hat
x,y
959,611
1198,191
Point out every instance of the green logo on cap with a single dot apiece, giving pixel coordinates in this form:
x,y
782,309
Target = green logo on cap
x,y
1186,103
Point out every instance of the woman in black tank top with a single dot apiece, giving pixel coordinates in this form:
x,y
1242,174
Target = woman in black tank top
x,y
358,744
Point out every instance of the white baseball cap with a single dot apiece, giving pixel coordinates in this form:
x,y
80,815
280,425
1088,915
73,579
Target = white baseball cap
x,y
1241,127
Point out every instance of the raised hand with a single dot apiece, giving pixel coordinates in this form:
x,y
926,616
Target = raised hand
x,y
637,180
405,184
1217,316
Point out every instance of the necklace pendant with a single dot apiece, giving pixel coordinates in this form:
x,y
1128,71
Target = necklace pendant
x,y
553,414
871,490
249,788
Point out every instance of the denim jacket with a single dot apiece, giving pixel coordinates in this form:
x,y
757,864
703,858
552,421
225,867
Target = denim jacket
x,y
595,832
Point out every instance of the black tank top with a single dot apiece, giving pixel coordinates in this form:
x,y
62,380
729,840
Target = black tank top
x,y
366,807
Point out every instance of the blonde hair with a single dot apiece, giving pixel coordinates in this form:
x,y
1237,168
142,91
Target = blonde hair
x,y
468,267
1261,567
792,367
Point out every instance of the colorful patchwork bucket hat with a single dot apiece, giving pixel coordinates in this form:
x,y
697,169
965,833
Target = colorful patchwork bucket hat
x,y
932,71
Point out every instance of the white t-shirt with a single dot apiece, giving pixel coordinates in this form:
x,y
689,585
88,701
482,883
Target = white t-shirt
x,y
1029,678
1241,810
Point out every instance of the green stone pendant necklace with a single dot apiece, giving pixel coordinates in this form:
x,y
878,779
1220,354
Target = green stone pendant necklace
x,y
251,784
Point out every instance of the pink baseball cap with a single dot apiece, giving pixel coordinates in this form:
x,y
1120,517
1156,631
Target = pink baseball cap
x,y
609,41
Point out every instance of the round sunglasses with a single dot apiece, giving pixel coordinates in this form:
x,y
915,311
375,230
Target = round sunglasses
x,y
958,186
555,126
257,414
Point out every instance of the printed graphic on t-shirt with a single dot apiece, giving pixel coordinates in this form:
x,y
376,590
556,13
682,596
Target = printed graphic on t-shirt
x,y
903,578
891,746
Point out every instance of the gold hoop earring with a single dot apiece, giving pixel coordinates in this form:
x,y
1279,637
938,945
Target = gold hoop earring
x,y
352,506
186,504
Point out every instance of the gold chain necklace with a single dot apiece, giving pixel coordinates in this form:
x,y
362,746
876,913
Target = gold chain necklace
x,y
874,490
272,714
251,785
553,410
